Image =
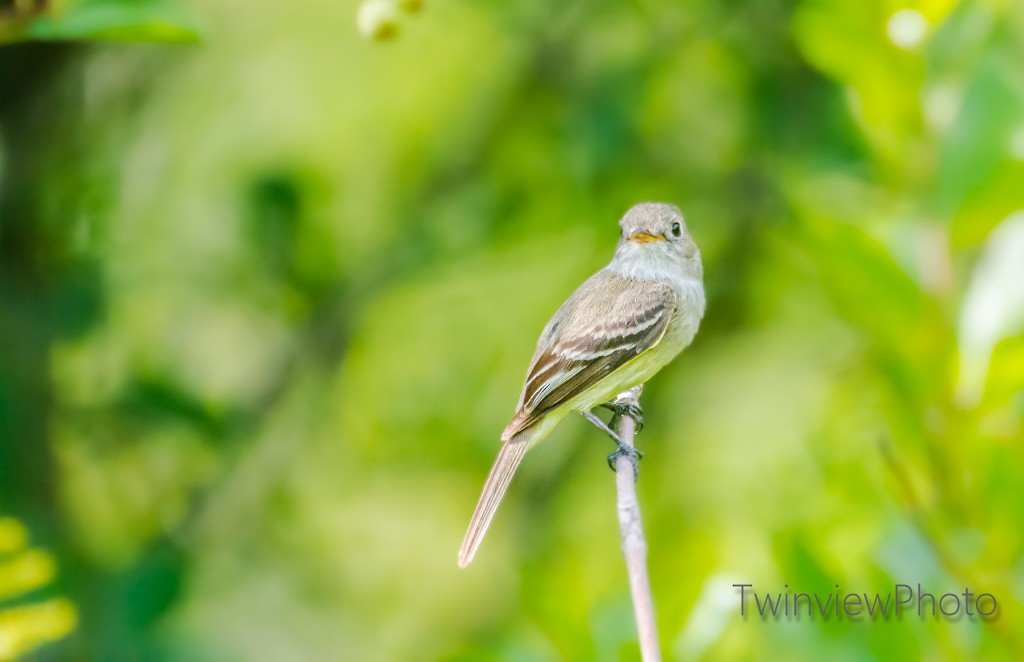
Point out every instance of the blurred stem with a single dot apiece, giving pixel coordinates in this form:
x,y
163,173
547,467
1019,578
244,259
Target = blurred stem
x,y
634,544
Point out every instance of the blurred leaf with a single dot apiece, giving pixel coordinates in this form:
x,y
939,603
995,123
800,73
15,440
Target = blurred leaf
x,y
120,20
27,571
872,291
993,108
1005,384
13,535
991,200
848,41
24,629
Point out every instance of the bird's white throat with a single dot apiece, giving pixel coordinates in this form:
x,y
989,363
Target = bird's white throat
x,y
654,262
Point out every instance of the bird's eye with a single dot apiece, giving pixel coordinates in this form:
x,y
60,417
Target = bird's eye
x,y
676,229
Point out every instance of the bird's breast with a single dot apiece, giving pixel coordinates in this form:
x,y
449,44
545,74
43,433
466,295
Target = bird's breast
x,y
687,315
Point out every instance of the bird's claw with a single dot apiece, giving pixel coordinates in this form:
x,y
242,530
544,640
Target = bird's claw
x,y
620,409
633,455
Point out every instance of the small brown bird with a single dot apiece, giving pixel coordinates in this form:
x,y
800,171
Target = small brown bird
x,y
616,331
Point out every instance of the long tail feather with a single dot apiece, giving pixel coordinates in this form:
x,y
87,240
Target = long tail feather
x,y
504,468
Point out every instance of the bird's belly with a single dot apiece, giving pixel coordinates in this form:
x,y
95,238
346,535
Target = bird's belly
x,y
640,369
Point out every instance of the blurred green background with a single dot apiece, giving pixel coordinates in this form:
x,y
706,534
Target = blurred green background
x,y
269,287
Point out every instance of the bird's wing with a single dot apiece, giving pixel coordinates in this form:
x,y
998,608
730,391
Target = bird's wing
x,y
609,320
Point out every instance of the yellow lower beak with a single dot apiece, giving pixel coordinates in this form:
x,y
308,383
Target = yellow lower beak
x,y
645,238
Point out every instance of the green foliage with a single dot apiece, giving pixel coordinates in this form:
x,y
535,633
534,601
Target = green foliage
x,y
120,20
265,309
27,624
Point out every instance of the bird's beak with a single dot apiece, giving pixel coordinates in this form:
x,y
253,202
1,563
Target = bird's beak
x,y
645,237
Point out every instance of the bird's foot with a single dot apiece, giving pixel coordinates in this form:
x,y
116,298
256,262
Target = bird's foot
x,y
629,408
633,455
622,449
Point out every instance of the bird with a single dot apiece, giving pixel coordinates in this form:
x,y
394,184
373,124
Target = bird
x,y
619,328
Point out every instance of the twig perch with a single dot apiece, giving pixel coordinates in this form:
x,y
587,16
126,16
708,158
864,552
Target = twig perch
x,y
634,545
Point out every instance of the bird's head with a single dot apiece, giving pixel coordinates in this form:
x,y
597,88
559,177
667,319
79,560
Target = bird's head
x,y
656,232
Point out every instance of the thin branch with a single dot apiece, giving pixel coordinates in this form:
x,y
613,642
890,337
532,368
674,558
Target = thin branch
x,y
634,545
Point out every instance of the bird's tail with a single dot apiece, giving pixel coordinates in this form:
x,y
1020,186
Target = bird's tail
x,y
511,454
